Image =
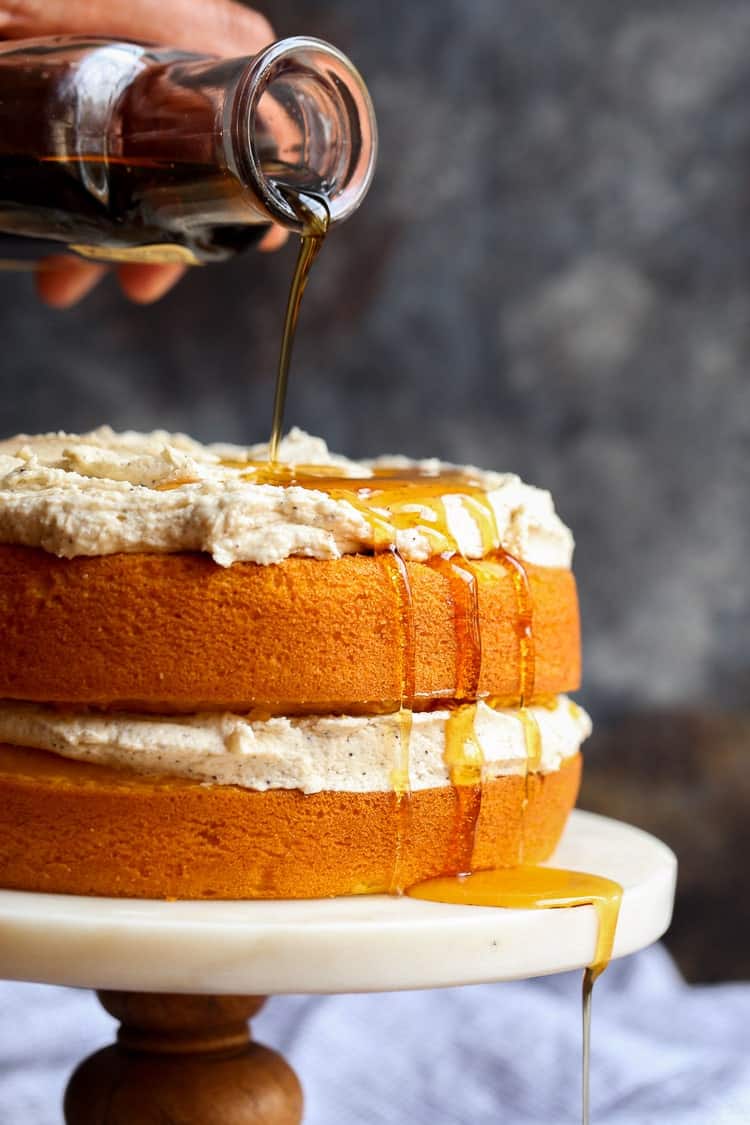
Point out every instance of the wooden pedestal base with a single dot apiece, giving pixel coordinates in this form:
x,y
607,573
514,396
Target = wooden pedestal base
x,y
183,1059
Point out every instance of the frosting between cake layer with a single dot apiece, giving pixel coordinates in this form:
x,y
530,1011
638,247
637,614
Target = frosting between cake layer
x,y
103,493
344,753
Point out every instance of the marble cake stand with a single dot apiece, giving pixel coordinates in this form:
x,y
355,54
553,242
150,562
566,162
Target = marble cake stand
x,y
184,977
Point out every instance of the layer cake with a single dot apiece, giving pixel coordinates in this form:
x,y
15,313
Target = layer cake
x,y
225,679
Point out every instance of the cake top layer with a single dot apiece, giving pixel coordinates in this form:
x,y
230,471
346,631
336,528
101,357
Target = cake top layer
x,y
103,492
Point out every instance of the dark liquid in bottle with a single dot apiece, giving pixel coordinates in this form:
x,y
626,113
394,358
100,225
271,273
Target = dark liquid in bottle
x,y
146,170
113,208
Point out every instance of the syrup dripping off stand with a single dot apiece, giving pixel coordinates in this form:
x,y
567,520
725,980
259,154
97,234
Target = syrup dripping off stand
x,y
184,977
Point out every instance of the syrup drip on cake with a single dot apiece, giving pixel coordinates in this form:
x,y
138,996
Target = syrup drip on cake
x,y
465,761
398,576
524,626
464,592
524,623
404,500
463,752
417,498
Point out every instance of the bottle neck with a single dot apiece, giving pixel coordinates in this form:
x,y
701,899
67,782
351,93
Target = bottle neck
x,y
302,119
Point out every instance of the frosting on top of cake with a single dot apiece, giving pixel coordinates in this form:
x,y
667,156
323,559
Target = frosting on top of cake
x,y
103,493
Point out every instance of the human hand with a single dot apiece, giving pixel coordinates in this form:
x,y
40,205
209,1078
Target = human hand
x,y
220,27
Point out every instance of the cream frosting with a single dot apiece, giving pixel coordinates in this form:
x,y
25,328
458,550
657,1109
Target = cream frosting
x,y
102,493
345,753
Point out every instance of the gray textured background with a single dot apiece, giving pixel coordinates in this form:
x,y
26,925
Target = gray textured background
x,y
551,275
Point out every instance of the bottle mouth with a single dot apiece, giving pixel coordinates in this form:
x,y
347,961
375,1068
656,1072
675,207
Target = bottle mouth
x,y
310,126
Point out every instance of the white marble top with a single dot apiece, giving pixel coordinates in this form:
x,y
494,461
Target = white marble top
x,y
360,944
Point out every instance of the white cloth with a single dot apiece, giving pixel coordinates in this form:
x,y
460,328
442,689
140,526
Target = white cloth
x,y
663,1052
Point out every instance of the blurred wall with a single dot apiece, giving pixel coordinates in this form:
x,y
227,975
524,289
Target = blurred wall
x,y
551,275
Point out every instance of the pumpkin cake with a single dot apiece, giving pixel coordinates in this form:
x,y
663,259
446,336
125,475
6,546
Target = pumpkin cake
x,y
224,679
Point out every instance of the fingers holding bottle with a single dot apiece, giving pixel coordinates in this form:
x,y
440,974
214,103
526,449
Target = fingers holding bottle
x,y
219,27
63,281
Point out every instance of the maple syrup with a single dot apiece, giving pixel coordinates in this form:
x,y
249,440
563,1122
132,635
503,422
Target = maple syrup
x,y
398,575
313,212
465,761
463,589
541,888
390,499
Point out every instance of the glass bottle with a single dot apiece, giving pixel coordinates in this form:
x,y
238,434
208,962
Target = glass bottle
x,y
130,152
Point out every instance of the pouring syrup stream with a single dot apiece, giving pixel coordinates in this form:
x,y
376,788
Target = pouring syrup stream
x,y
312,210
390,500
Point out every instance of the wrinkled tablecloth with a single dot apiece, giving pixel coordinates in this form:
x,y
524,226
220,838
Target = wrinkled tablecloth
x,y
505,1054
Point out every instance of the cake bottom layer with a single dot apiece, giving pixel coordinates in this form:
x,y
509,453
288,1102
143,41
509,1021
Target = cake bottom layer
x,y
73,828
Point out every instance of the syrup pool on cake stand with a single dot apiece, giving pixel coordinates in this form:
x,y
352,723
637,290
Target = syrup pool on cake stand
x,y
184,977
